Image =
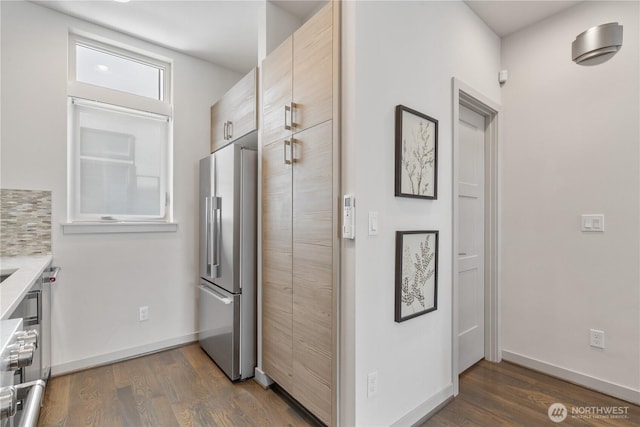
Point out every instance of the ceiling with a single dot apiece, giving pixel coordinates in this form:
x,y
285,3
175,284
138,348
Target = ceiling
x,y
225,32
506,17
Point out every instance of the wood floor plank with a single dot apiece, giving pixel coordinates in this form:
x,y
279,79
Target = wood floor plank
x,y
127,407
54,407
504,394
94,395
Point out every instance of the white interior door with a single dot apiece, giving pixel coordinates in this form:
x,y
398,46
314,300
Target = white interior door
x,y
470,238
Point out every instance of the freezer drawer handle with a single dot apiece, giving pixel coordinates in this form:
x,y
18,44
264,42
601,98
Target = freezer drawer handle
x,y
217,296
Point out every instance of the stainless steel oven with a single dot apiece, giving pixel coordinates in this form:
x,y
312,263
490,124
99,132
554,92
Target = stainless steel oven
x,y
21,398
16,351
34,310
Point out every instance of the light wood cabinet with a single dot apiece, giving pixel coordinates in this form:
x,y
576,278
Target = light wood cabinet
x,y
299,215
235,114
277,279
313,268
298,80
277,93
313,71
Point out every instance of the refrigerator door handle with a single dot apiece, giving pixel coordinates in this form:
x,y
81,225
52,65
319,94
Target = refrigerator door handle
x,y
207,233
214,236
216,295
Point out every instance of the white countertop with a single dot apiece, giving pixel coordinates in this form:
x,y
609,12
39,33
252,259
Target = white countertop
x,y
28,270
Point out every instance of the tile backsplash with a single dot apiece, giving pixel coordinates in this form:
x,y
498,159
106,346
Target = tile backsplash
x,y
25,222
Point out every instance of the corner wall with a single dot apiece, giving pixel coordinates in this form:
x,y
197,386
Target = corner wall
x,y
572,147
404,52
104,278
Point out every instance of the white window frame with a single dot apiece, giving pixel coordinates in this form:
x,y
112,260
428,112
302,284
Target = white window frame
x,y
112,96
87,94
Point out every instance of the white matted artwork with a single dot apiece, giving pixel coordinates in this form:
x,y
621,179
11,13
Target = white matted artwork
x,y
416,273
416,154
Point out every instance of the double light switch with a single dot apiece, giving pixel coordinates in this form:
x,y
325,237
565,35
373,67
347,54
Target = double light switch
x,y
593,222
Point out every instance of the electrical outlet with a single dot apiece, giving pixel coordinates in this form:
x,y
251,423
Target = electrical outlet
x,y
372,384
596,338
143,313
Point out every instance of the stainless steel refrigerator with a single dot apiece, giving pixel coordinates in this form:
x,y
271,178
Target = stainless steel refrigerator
x,y
227,290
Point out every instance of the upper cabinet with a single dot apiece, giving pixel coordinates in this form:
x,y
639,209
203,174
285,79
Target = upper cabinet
x,y
235,114
297,79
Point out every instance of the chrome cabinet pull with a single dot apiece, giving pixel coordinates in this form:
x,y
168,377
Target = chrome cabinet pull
x,y
287,143
287,108
292,110
230,129
291,147
224,131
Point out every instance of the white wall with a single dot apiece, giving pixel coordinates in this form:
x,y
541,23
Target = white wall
x,y
279,24
401,53
571,147
104,278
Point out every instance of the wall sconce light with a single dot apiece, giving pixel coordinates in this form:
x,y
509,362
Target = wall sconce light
x,y
597,44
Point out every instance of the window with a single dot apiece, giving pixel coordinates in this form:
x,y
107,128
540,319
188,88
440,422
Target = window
x,y
101,68
119,135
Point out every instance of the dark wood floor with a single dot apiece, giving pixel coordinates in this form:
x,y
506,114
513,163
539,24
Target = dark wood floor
x,y
178,387
503,394
183,387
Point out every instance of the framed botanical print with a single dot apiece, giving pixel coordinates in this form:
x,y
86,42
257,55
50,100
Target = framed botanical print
x,y
416,286
416,159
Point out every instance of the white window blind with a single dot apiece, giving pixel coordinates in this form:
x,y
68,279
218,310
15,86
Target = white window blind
x,y
119,162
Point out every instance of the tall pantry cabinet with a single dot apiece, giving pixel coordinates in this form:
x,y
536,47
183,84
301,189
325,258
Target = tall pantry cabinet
x,y
300,194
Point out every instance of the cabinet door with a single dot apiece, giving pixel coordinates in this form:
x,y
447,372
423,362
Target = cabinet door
x,y
235,114
242,106
313,70
277,355
313,269
217,125
277,92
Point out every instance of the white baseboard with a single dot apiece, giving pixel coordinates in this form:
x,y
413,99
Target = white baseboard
x,y
129,353
261,378
426,409
602,386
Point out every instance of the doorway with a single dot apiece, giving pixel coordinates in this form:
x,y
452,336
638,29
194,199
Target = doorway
x,y
475,333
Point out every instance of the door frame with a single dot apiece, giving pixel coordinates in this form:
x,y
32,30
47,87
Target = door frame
x,y
465,95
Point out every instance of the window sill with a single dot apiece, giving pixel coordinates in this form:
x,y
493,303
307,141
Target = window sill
x,y
118,227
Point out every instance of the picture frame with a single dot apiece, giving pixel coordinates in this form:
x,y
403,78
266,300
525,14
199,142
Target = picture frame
x,y
416,281
416,154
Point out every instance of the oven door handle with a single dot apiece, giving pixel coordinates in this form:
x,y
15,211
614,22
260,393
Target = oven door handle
x,y
33,392
31,409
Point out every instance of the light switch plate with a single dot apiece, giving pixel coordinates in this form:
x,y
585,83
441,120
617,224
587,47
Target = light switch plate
x,y
373,223
593,222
